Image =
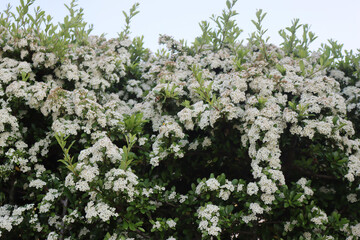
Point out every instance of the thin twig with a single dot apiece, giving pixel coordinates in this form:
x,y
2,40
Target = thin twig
x,y
65,204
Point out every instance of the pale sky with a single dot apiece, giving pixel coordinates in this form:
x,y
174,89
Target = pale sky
x,y
339,20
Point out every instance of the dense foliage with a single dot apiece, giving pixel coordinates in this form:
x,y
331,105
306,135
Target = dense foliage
x,y
102,139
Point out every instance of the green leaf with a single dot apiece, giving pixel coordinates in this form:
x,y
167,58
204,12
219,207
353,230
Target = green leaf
x,y
107,236
132,227
302,67
125,225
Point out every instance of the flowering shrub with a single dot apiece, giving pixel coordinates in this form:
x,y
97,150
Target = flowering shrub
x,y
101,139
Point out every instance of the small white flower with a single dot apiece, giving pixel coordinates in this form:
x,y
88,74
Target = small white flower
x,y
352,198
252,188
156,225
37,183
256,208
213,184
171,223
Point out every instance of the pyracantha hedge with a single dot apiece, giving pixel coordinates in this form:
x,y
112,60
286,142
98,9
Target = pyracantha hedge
x,y
102,139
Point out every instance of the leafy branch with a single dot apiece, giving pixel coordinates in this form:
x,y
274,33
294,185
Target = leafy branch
x,y
133,123
224,35
260,41
132,13
240,59
300,110
128,156
292,44
67,160
166,93
205,92
55,37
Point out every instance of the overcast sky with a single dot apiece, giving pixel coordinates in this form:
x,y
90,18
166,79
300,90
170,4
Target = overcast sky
x,y
339,20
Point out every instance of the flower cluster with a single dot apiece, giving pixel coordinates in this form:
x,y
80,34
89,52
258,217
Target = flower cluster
x,y
209,218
